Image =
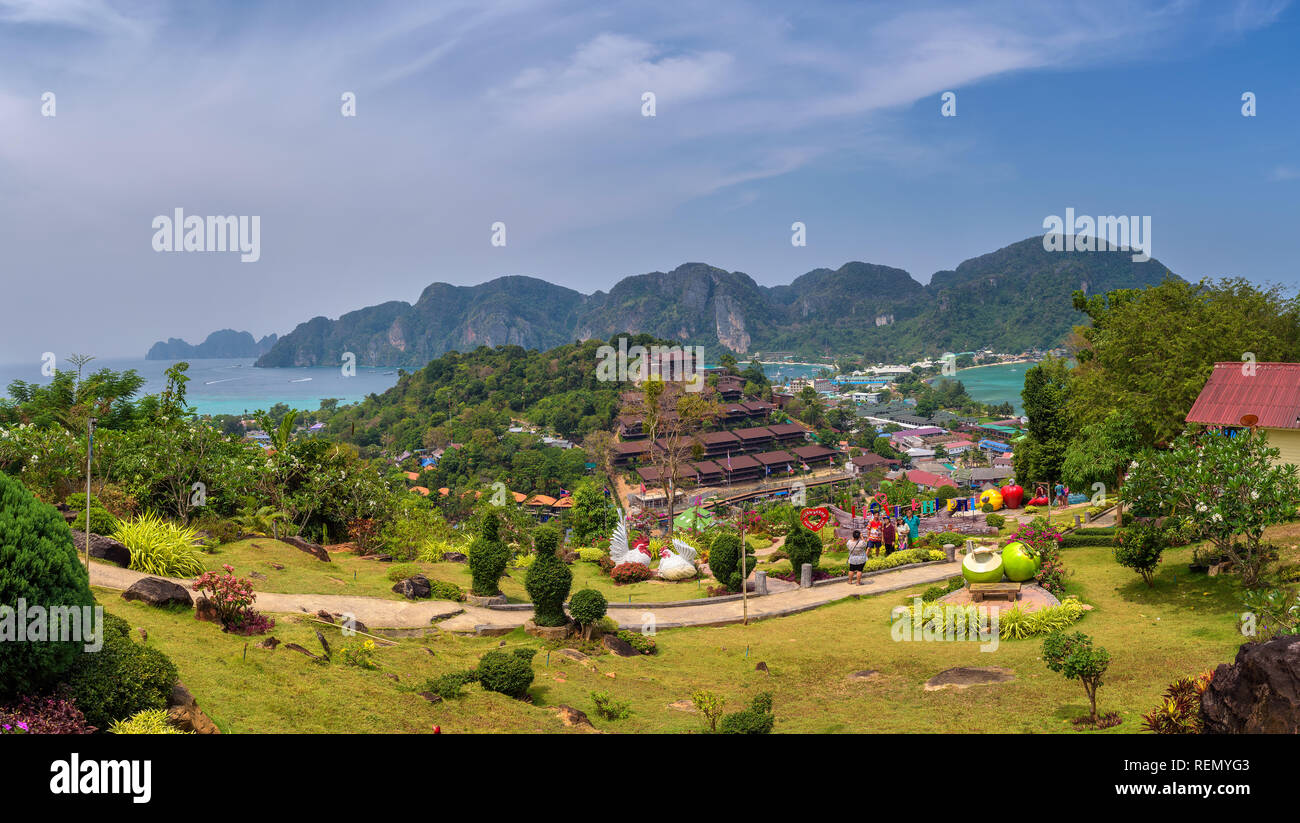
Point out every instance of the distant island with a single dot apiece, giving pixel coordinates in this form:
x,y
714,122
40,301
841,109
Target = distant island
x,y
226,343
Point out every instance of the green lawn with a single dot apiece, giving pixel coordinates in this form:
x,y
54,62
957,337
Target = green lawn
x,y
1186,624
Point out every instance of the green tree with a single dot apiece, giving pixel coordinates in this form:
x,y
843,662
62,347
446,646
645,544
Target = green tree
x,y
1040,454
588,517
1102,451
1073,656
1231,488
488,557
548,580
1150,351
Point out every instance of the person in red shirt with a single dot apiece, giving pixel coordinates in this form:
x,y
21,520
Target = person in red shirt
x,y
890,535
875,535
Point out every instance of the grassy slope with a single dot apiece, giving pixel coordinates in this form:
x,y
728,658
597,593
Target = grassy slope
x,y
1185,625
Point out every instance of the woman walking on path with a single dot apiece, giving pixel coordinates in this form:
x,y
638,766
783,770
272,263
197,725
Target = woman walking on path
x,y
857,558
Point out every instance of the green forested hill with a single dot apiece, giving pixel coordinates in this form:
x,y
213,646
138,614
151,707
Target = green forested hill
x,y
1013,299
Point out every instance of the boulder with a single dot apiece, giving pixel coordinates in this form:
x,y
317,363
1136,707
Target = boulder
x,y
205,609
570,716
619,646
1259,693
158,592
313,549
414,588
184,713
324,615
269,643
572,654
455,557
105,548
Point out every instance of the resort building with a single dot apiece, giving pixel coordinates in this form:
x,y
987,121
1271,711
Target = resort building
x,y
1266,396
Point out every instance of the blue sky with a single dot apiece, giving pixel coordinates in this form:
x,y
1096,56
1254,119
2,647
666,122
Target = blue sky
x,y
530,113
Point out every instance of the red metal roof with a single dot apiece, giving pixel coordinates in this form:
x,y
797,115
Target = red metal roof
x,y
1270,391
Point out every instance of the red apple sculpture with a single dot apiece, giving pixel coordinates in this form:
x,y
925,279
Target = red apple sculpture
x,y
1012,496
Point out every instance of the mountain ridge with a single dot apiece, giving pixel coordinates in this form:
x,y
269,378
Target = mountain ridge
x,y
1013,299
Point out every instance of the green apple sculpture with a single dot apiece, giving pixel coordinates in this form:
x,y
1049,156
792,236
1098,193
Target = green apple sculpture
x,y
1019,564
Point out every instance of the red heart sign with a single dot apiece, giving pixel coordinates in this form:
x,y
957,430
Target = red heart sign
x,y
820,515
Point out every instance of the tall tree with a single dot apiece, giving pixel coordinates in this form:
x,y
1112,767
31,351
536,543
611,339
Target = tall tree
x,y
1041,452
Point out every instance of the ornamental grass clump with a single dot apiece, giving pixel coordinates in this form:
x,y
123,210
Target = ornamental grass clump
x,y
160,547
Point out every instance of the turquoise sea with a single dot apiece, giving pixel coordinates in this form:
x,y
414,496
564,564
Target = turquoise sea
x,y
1000,383
234,386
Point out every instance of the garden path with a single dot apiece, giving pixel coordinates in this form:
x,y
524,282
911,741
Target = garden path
x,y
377,612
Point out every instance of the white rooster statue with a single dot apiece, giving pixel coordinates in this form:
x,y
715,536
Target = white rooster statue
x,y
620,552
679,565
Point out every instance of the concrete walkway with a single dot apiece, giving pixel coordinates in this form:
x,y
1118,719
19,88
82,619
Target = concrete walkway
x,y
373,611
377,612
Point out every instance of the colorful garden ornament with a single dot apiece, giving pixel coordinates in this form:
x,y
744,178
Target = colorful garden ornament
x,y
982,565
1018,562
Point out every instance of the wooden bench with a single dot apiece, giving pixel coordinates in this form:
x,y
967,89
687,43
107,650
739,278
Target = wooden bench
x,y
979,591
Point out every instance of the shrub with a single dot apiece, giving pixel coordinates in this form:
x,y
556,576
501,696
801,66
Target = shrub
x,y
160,547
445,590
724,560
1073,656
148,721
997,521
710,705
45,715
609,708
1179,711
449,685
587,607
488,557
38,565
757,719
803,547
101,521
1276,612
219,529
642,643
233,599
548,580
1140,549
508,674
120,679
630,573
592,555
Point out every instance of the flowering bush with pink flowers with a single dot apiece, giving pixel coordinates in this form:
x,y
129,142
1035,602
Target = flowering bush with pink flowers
x,y
233,599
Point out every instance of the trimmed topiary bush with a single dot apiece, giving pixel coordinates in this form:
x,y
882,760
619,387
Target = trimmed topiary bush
x,y
508,674
120,679
39,566
802,546
488,557
548,580
587,607
724,560
995,520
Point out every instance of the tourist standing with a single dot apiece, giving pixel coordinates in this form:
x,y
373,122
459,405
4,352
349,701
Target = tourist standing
x,y
913,522
875,535
857,558
890,535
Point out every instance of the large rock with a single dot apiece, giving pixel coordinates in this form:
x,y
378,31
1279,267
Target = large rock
x,y
158,592
415,587
570,716
619,646
184,712
206,610
964,677
1259,693
105,548
313,549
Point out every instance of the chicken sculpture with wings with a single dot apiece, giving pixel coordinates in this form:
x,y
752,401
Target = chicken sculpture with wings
x,y
619,550
678,565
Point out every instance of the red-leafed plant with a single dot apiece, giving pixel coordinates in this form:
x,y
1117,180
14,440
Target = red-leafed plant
x,y
233,599
630,573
